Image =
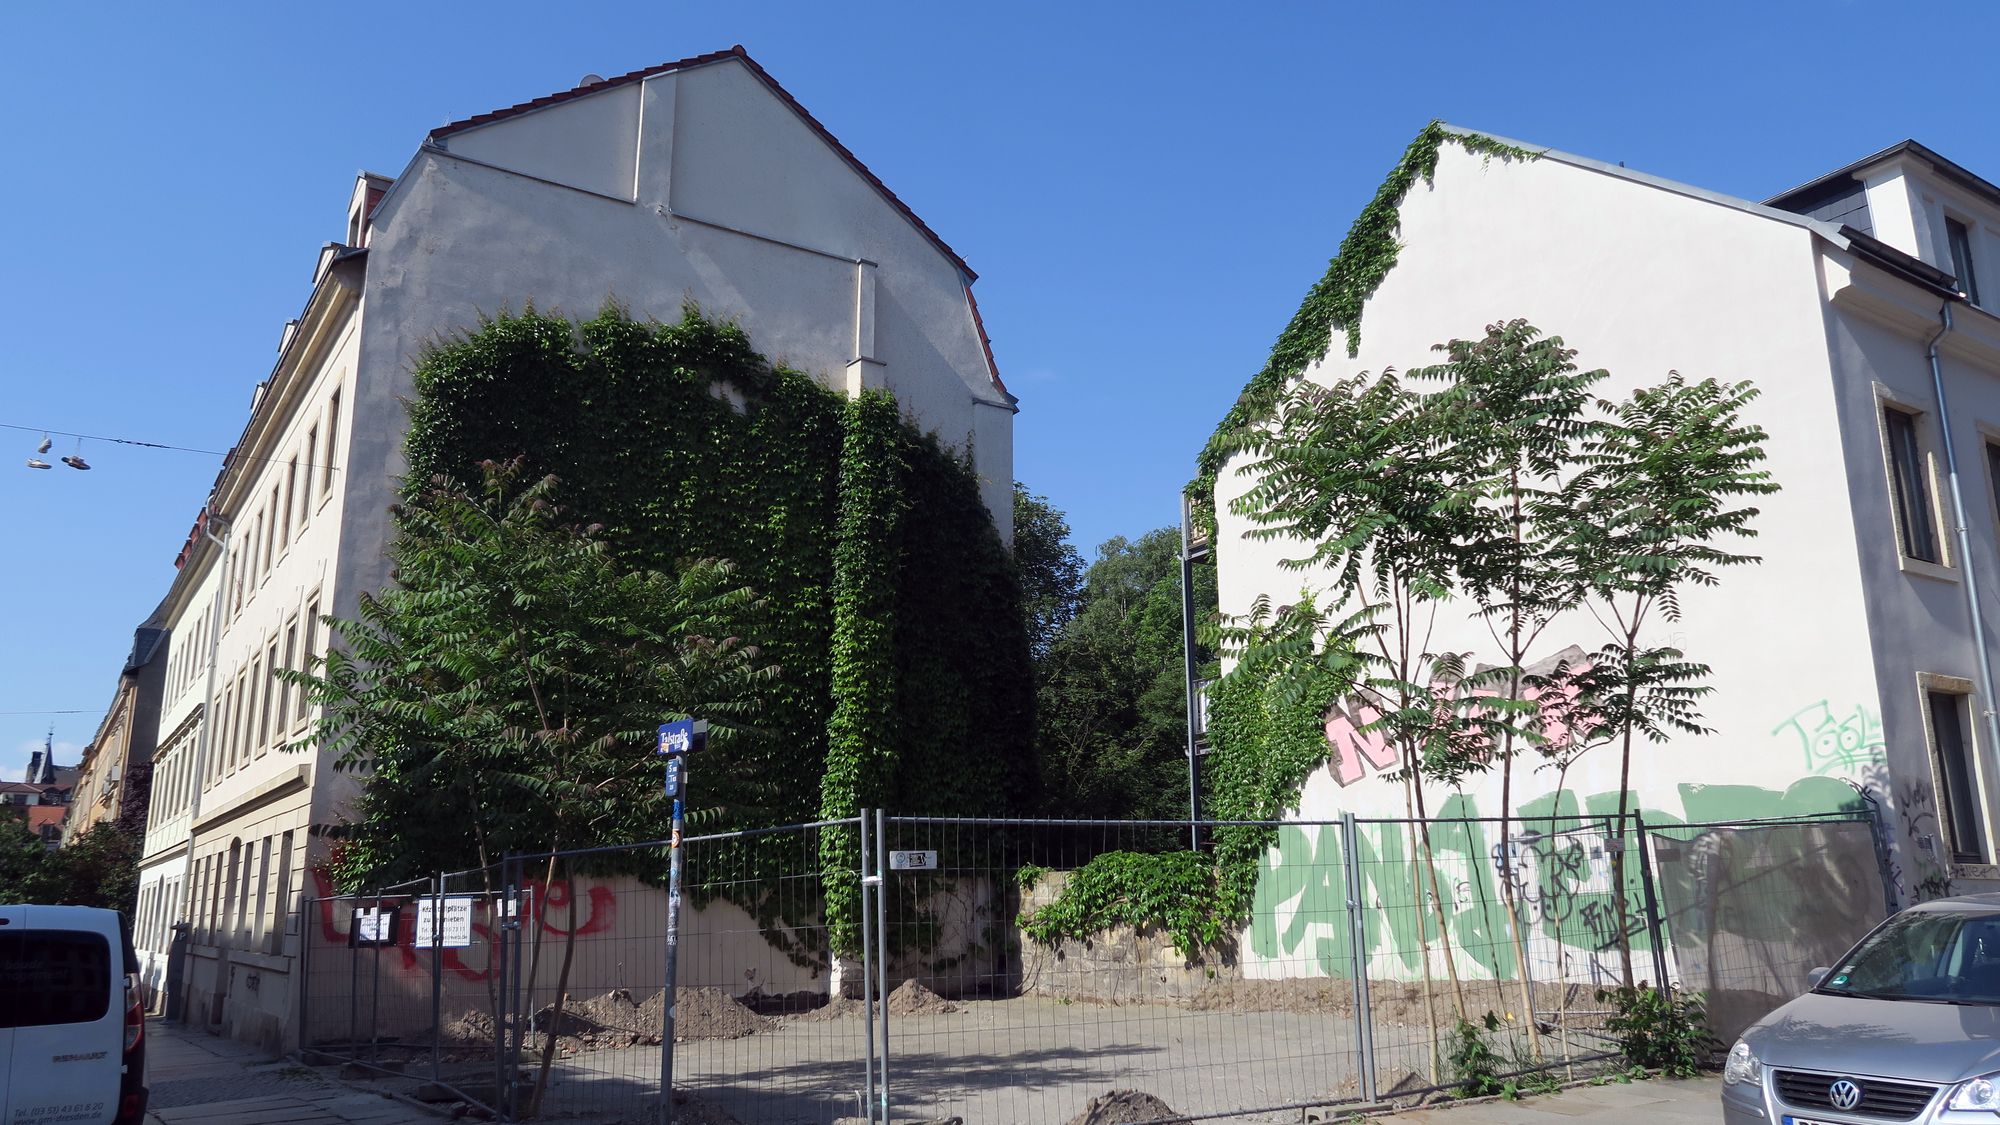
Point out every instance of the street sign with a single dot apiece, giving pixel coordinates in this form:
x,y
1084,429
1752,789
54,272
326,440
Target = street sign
x,y
682,736
674,776
913,861
457,928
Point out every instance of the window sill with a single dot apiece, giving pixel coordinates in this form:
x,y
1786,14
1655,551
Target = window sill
x,y
1934,571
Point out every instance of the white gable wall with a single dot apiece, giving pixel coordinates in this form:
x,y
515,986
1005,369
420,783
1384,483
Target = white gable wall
x,y
739,206
1640,281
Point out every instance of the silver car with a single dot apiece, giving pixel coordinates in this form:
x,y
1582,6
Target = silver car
x,y
1906,1028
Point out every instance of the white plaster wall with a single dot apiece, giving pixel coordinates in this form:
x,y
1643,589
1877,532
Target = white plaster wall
x,y
716,149
1640,281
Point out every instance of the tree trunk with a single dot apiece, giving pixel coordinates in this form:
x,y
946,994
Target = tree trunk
x,y
1437,900
1423,926
1624,788
562,996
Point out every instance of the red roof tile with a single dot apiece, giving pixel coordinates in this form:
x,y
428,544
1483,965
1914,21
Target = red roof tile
x,y
39,815
736,52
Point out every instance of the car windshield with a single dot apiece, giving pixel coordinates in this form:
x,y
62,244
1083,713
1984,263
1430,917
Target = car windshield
x,y
1939,956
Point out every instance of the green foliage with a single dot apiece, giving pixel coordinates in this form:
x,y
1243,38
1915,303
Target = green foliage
x,y
1473,1063
1172,890
27,874
502,695
99,867
1051,571
1663,1030
1267,733
1111,698
887,611
1365,257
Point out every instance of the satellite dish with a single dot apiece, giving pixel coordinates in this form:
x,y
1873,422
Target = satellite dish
x,y
591,80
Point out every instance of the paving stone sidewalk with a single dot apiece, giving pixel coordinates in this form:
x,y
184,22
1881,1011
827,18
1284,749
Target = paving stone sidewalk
x,y
202,1079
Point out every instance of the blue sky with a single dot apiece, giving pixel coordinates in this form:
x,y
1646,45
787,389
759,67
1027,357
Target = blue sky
x,y
1145,189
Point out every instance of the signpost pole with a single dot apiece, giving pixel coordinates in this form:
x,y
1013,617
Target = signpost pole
x,y
677,741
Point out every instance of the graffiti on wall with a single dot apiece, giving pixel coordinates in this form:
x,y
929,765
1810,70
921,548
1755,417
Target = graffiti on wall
x,y
553,910
1356,749
1836,740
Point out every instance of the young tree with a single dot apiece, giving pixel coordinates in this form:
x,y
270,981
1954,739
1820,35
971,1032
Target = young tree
x,y
27,871
503,694
1111,702
1513,405
1667,472
1361,472
1051,571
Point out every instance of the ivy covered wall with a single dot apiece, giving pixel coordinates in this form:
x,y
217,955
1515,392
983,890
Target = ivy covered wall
x,y
889,605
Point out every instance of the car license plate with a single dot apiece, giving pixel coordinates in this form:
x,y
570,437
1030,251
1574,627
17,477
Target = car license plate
x,y
1790,1120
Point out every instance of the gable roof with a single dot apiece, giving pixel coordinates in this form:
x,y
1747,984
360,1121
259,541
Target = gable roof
x,y
1945,169
736,52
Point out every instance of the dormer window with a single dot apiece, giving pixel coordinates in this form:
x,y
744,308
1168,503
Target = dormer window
x,y
1959,240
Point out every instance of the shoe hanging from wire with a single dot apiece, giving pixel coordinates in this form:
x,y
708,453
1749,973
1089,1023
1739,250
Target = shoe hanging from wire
x,y
75,460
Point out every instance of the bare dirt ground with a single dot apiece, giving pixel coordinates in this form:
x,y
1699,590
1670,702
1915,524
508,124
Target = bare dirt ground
x,y
1002,1062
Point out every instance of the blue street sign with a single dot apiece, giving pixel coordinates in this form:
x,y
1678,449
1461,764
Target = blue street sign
x,y
674,776
677,737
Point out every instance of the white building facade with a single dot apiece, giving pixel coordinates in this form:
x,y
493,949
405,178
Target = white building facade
x,y
1849,659
697,181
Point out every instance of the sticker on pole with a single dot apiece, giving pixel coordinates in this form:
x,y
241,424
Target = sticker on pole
x,y
913,861
456,932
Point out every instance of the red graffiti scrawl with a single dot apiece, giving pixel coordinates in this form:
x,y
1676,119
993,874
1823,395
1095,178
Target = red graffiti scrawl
x,y
546,899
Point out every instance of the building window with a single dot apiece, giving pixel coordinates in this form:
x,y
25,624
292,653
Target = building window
x,y
1959,241
332,442
286,692
282,904
305,482
292,504
1915,523
1951,753
271,689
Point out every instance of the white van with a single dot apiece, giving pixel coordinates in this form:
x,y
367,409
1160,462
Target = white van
x,y
72,1025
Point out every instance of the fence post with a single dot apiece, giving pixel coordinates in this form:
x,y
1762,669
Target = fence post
x,y
1357,931
882,952
375,996
515,1033
305,977
867,971
353,984
1653,929
437,974
496,959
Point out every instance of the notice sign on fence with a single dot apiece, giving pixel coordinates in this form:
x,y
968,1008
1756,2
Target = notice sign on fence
x,y
913,861
372,926
457,922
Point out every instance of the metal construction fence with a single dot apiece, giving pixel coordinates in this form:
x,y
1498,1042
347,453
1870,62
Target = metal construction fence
x,y
991,969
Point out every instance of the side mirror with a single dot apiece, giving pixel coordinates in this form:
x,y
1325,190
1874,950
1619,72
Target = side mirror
x,y
1815,976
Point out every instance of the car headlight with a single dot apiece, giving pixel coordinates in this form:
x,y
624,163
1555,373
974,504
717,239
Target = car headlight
x,y
1742,1066
1978,1093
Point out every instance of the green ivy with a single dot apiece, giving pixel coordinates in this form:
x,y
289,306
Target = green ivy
x,y
1264,744
1173,890
1365,257
889,608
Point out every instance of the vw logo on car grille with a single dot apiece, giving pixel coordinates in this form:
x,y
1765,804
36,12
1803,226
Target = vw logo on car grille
x,y
1844,1094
